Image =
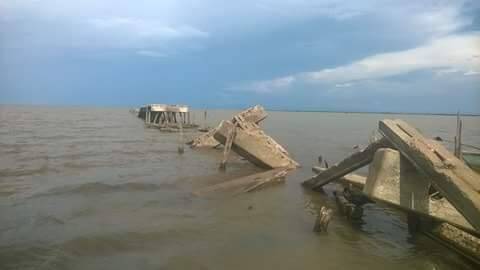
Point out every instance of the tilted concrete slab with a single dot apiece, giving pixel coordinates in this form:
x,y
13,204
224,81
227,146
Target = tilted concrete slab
x,y
254,114
348,165
449,175
394,180
254,145
349,178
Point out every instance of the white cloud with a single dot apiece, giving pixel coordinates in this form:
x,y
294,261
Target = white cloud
x,y
446,71
429,17
343,85
269,86
140,28
150,53
437,19
128,32
472,72
450,53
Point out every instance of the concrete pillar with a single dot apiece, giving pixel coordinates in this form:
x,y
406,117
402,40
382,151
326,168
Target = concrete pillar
x,y
393,179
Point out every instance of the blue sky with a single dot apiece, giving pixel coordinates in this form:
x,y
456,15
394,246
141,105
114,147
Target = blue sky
x,y
391,55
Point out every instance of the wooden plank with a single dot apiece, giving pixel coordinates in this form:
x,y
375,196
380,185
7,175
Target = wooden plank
x,y
228,146
466,244
247,183
348,165
453,178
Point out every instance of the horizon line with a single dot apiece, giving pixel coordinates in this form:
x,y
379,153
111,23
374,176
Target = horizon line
x,y
268,109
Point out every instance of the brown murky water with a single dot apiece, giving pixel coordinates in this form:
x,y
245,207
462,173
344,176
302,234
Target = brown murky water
x,y
91,188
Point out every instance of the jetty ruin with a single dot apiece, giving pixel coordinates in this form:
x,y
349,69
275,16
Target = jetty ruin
x,y
243,135
439,192
166,117
437,189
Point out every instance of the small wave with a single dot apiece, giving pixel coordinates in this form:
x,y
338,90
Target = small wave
x,y
53,137
38,256
48,220
96,188
24,172
111,243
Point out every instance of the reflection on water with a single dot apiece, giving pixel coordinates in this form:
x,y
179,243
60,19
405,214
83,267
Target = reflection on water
x,y
93,189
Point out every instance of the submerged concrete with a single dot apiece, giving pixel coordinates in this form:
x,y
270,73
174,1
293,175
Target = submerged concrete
x,y
247,183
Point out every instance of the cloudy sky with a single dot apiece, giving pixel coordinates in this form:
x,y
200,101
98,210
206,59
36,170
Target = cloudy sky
x,y
371,55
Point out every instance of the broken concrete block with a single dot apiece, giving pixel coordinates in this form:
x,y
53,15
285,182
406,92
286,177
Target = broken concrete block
x,y
254,115
394,180
449,175
254,145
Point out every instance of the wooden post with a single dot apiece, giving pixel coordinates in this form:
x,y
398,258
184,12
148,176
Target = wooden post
x,y
148,114
323,219
458,147
180,139
228,145
162,118
155,120
205,119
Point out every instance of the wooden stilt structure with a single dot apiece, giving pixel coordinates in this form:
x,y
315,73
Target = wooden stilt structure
x,y
166,117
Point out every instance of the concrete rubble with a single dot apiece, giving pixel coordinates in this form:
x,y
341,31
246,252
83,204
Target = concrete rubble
x,y
242,135
254,115
437,190
247,183
251,142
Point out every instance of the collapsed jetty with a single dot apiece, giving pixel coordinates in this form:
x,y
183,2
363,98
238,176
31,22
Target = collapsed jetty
x,y
254,115
243,135
438,190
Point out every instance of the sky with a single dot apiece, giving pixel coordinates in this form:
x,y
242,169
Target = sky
x,y
339,55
